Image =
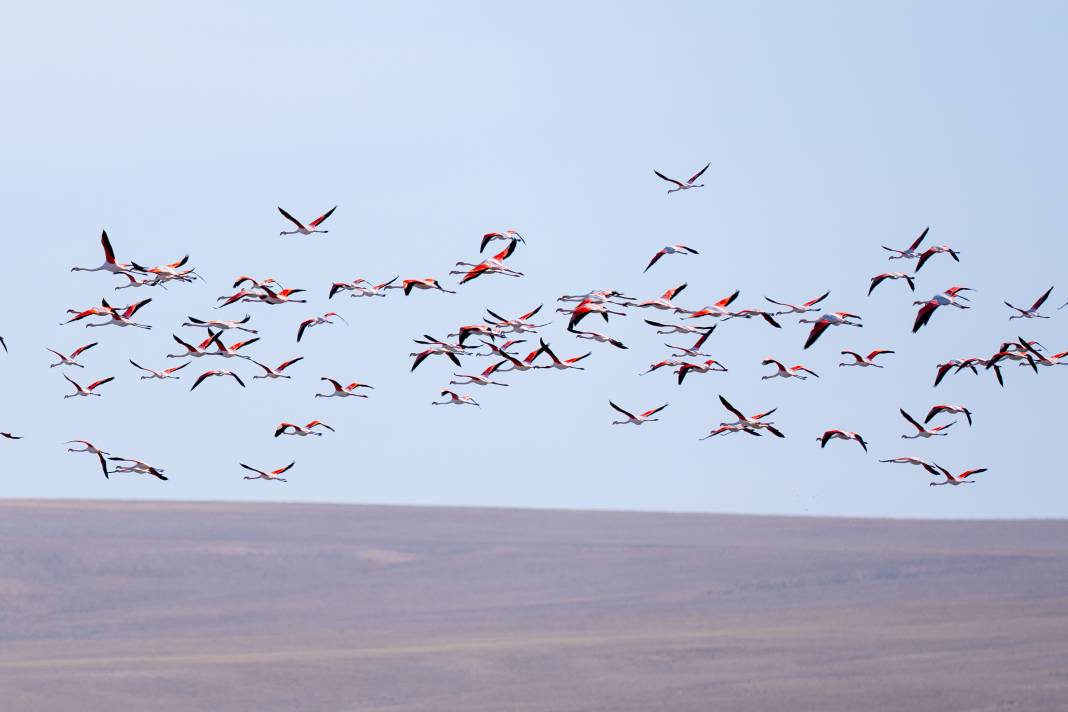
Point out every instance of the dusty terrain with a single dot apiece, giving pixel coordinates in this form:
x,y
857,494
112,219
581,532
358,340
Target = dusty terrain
x,y
143,606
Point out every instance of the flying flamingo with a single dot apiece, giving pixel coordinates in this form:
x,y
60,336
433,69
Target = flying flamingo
x,y
825,321
809,306
92,450
527,364
133,282
341,391
1031,313
719,309
598,337
504,348
273,475
161,375
301,431
948,297
138,467
865,361
663,302
709,365
784,372
70,360
437,348
169,272
566,363
257,283
122,318
231,351
880,278
645,417
196,351
754,422
960,479
273,373
88,390
426,283
695,350
493,265
221,324
282,296
506,235
730,429
668,362
944,408
110,265
485,330
584,309
455,399
670,250
315,321
312,226
690,182
675,328
922,432
519,325
909,253
598,295
217,372
841,435
913,461
482,379
932,251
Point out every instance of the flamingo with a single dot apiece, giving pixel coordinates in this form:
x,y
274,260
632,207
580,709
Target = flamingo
x,y
217,372
195,351
944,368
960,479
661,364
282,296
527,364
273,475
865,361
598,295
825,321
1052,360
138,467
315,321
312,226
584,309
341,391
922,432
161,375
695,350
504,348
69,360
598,337
670,250
110,265
221,324
948,297
88,390
841,435
632,419
482,379
231,351
663,302
301,431
519,325
564,365
79,315
690,182
750,313
932,251
913,461
437,348
675,328
730,429
372,290
784,372
880,278
754,422
709,365
92,450
133,282
456,399
122,318
809,306
719,309
485,330
242,295
1031,313
169,272
426,283
944,408
909,253
273,373
493,265
506,235
256,283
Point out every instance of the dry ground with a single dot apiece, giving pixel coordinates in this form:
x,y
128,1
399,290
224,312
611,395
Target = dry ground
x,y
150,606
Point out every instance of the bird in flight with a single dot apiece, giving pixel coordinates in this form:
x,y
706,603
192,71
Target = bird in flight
x,y
313,226
690,182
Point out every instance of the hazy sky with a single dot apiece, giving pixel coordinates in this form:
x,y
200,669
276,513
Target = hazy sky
x,y
831,128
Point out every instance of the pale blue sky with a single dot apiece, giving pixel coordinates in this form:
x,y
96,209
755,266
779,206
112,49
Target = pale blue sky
x,y
832,128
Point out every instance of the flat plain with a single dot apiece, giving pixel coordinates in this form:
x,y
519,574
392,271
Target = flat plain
x,y
204,606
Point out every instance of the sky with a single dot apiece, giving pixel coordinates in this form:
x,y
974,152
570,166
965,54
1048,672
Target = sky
x,y
831,128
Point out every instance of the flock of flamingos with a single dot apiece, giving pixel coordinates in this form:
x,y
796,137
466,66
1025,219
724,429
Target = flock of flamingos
x,y
499,339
